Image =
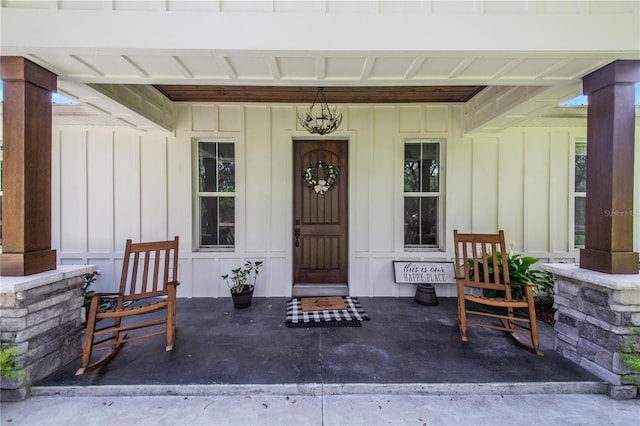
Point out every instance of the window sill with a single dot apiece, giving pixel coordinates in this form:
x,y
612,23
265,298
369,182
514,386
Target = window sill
x,y
424,249
215,249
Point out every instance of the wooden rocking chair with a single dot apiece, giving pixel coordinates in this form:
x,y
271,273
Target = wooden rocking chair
x,y
149,271
479,260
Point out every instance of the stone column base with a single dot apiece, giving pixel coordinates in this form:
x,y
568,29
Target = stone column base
x,y
40,315
596,316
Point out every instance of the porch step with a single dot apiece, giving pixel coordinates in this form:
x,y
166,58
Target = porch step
x,y
324,389
320,290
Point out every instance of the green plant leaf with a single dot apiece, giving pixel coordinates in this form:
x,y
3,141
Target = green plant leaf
x,y
9,368
520,273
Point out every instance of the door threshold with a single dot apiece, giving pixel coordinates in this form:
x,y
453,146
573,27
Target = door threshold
x,y
318,290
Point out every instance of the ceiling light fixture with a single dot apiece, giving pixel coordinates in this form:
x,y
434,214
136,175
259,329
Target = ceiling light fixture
x,y
320,120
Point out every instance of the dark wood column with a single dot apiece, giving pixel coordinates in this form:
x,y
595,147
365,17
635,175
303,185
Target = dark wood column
x,y
610,144
26,171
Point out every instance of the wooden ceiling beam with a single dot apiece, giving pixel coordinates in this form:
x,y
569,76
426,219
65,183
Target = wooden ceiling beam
x,y
304,94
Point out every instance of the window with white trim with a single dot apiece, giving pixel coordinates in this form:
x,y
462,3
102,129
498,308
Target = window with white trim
x,y
422,193
216,194
580,192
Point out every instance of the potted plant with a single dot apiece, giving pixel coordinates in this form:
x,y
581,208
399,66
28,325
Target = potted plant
x,y
241,283
89,279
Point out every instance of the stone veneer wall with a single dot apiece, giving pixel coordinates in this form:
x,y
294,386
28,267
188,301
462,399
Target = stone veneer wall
x,y
41,315
594,318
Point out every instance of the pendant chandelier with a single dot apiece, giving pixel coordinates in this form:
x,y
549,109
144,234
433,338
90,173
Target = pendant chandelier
x,y
319,118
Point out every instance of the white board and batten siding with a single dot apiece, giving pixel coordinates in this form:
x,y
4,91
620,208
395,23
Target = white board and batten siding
x,y
114,183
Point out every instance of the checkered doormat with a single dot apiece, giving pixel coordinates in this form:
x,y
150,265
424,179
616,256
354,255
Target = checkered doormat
x,y
352,316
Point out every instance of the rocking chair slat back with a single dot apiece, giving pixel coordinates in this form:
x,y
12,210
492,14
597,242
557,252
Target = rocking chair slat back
x,y
478,261
147,269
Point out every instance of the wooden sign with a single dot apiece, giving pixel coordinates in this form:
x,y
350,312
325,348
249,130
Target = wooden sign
x,y
423,272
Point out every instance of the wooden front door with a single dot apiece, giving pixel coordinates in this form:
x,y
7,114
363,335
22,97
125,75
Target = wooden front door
x,y
320,218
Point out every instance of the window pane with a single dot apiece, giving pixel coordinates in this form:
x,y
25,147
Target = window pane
x,y
579,220
217,221
208,163
226,167
430,167
227,216
411,221
412,159
421,167
217,167
581,167
421,221
429,218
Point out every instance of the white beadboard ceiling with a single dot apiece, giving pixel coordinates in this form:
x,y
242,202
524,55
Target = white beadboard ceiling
x,y
317,68
561,74
163,44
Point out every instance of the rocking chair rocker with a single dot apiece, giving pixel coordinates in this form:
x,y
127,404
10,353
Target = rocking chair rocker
x,y
481,264
149,279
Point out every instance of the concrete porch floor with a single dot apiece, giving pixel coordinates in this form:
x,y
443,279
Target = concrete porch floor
x,y
405,348
405,366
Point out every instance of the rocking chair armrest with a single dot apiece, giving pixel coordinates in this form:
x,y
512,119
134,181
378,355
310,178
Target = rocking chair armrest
x,y
95,295
107,294
95,298
173,283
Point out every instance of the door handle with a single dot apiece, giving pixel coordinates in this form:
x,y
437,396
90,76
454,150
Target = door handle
x,y
297,234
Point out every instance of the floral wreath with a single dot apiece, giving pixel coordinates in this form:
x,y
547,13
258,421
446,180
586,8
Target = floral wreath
x,y
320,185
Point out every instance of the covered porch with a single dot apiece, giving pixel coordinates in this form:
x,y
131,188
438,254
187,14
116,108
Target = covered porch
x,y
406,348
